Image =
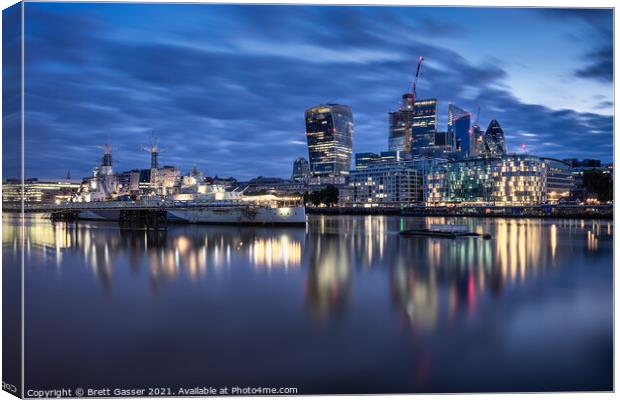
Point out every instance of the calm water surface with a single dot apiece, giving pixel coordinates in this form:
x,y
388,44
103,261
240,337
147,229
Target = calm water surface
x,y
345,305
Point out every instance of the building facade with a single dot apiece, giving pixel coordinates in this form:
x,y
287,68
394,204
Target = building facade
x,y
509,180
400,126
424,124
301,170
476,141
36,191
364,160
560,181
329,132
459,124
387,185
494,142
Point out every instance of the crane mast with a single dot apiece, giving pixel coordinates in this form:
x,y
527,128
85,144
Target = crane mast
x,y
415,81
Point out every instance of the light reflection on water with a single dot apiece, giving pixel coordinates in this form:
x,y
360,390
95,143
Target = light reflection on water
x,y
433,286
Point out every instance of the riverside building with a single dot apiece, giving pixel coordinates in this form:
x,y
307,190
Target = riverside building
x,y
390,180
560,181
509,180
36,191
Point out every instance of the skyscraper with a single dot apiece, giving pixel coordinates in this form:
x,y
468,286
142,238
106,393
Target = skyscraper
x,y
329,131
301,170
494,142
476,144
459,122
424,124
400,125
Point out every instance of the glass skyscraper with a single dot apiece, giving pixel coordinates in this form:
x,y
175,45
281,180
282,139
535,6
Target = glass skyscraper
x,y
329,131
424,124
494,142
401,123
459,122
476,144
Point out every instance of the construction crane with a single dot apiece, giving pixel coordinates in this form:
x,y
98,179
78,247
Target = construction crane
x,y
415,80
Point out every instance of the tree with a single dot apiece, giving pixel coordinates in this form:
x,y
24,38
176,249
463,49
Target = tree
x,y
596,181
329,195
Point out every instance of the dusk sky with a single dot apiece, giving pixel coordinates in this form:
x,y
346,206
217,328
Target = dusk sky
x,y
225,87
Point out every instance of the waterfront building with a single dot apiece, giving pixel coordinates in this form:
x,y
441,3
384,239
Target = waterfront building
x,y
494,142
36,191
476,143
459,122
301,170
329,132
560,181
363,160
424,124
394,179
502,181
387,184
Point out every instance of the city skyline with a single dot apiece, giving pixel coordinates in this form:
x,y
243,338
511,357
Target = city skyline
x,y
222,93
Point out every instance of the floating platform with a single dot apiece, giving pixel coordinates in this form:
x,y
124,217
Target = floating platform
x,y
443,233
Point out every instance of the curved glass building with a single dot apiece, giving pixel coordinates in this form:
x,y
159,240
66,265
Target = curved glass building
x,y
329,131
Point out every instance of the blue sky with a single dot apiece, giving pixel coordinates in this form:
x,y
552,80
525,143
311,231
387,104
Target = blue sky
x,y
225,87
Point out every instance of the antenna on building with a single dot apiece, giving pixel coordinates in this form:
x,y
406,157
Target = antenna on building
x,y
68,175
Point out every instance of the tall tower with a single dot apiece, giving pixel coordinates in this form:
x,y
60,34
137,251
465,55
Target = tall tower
x,y
400,125
459,122
424,124
494,142
476,145
329,132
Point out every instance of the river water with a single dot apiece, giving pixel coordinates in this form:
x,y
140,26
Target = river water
x,y
345,305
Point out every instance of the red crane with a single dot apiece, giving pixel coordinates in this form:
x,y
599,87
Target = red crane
x,y
415,81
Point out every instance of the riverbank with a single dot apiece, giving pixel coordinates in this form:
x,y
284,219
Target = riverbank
x,y
545,211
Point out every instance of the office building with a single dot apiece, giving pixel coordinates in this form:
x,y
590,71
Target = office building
x,y
424,125
385,184
36,191
476,143
560,181
363,160
301,170
494,142
329,132
400,126
509,180
459,122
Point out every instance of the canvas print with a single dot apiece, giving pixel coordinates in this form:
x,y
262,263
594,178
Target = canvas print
x,y
246,199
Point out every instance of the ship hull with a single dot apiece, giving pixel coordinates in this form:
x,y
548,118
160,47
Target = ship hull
x,y
238,215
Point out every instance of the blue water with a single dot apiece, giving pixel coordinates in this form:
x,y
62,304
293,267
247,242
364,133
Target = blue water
x,y
346,305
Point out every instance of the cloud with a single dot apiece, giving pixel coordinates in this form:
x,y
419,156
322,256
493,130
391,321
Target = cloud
x,y
225,88
600,65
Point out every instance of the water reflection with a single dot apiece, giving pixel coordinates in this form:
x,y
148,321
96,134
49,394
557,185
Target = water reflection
x,y
430,281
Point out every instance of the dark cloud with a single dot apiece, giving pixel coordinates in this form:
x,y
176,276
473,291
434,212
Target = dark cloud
x,y
225,87
600,65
